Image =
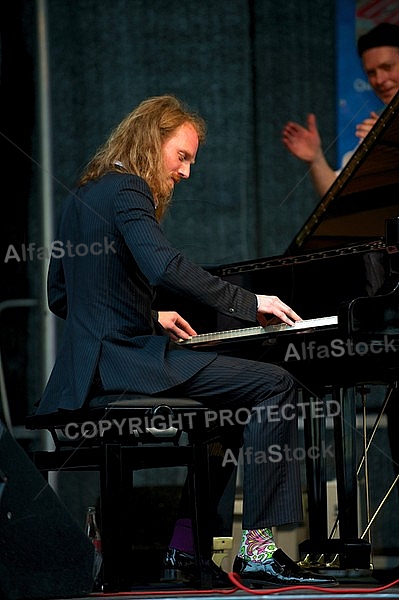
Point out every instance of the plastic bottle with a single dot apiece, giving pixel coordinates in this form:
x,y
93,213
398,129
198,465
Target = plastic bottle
x,y
93,533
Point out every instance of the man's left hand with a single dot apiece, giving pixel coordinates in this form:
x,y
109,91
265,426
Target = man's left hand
x,y
364,127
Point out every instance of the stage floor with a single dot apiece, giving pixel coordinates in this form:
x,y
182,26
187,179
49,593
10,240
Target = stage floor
x,y
356,587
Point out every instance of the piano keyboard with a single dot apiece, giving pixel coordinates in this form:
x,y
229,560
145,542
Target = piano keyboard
x,y
250,332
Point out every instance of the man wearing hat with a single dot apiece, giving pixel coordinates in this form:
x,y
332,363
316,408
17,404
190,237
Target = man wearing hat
x,y
379,52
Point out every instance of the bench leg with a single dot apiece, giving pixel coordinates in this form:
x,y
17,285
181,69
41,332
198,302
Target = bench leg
x,y
200,502
116,541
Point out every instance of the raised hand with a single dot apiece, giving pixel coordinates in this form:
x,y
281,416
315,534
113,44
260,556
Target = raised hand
x,y
303,142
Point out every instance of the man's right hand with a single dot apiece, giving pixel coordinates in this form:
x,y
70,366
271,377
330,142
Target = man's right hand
x,y
303,142
272,305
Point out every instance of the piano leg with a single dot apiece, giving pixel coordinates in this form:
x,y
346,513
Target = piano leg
x,y
347,551
314,435
345,461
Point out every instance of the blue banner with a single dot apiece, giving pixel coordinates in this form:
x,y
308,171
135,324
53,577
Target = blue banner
x,y
356,98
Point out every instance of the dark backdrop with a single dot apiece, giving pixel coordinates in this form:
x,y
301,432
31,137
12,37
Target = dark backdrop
x,y
246,66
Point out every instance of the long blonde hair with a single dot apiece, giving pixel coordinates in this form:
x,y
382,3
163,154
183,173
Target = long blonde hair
x,y
136,143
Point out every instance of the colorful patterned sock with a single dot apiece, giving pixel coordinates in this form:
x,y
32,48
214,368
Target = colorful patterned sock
x,y
257,544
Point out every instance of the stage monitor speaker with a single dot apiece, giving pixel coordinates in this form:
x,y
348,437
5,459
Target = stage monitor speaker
x,y
43,551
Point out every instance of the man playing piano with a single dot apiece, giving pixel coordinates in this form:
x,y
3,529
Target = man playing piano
x,y
379,52
114,340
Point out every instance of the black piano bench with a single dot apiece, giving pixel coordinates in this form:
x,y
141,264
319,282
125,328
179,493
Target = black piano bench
x,y
117,435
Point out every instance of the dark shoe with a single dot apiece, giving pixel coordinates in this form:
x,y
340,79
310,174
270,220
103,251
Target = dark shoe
x,y
279,570
180,567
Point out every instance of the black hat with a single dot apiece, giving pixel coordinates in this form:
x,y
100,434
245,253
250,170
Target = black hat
x,y
385,34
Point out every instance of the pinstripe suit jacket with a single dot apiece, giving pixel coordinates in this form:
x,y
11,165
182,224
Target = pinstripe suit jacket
x,y
109,256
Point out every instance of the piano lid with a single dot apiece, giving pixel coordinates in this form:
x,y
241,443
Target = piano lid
x,y
363,196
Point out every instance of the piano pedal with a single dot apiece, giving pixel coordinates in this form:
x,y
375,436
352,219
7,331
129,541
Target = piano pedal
x,y
312,561
322,560
305,562
334,563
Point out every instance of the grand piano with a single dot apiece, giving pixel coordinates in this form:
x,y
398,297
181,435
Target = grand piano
x,y
340,273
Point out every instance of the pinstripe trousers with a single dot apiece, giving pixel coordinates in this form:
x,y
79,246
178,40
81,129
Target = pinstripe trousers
x,y
258,399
